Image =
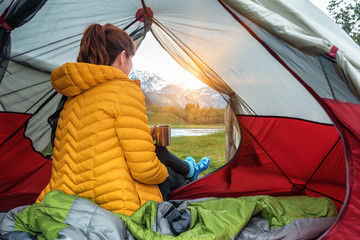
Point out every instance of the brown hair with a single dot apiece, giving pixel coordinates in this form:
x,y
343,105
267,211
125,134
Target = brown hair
x,y
102,44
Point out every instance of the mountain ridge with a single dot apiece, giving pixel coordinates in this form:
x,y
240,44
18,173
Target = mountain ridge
x,y
159,91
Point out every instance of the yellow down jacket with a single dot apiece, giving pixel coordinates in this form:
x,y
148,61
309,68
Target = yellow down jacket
x,y
103,149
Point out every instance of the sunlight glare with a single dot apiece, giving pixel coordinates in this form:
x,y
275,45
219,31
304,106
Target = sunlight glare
x,y
151,57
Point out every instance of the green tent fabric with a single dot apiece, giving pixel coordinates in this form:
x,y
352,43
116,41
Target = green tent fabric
x,y
210,219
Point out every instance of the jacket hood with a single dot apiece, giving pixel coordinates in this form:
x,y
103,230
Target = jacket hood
x,y
71,79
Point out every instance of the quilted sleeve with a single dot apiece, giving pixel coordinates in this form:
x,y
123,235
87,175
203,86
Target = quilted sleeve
x,y
136,142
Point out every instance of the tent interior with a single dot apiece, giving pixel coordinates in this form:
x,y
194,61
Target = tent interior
x,y
289,74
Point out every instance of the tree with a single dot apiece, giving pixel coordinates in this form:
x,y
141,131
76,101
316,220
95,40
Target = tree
x,y
189,106
347,15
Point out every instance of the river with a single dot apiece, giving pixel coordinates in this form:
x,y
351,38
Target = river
x,y
180,132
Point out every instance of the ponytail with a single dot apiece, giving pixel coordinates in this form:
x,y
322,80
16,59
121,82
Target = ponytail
x,y
102,44
93,46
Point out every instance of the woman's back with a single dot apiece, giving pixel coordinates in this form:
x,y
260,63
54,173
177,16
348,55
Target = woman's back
x,y
103,119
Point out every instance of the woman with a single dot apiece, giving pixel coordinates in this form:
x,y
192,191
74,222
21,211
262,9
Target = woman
x,y
103,149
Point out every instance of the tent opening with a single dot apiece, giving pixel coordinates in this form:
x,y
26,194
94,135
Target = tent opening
x,y
175,97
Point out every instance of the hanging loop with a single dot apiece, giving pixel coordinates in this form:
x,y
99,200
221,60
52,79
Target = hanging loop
x,y
2,19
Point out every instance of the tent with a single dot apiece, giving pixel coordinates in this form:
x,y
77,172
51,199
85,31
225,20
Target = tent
x,y
290,75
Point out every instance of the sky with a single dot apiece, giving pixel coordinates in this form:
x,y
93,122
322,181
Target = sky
x,y
151,57
321,4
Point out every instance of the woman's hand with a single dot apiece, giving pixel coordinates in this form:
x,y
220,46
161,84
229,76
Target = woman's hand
x,y
153,132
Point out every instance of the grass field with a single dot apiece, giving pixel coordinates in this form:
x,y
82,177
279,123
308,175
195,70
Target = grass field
x,y
195,146
158,118
201,146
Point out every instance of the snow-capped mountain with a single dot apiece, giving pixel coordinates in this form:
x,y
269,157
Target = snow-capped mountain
x,y
149,81
159,92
